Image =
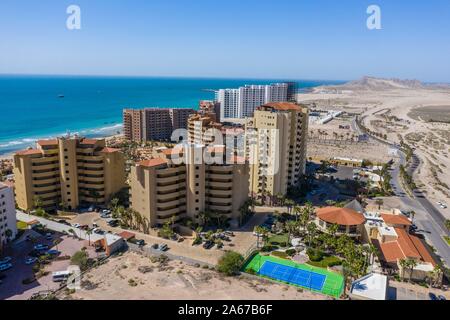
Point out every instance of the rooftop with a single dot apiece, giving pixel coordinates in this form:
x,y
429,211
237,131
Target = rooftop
x,y
406,246
396,219
372,286
50,142
283,106
152,162
340,216
28,152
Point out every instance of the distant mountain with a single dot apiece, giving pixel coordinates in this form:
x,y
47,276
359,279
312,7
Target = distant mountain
x,y
375,84
371,83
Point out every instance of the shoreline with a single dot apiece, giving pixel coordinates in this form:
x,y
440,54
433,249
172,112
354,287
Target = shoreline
x,y
108,138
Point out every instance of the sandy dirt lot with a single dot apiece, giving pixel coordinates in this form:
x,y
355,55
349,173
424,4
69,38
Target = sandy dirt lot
x,y
402,113
133,276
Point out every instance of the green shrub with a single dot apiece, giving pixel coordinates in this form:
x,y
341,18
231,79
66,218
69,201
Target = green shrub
x,y
230,263
291,252
315,254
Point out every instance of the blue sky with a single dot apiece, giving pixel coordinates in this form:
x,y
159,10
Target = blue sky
x,y
300,39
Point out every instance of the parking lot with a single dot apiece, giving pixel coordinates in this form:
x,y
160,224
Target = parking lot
x,y
12,286
242,240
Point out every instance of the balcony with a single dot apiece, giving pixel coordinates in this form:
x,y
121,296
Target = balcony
x,y
90,171
213,192
219,201
170,212
220,184
171,204
225,208
170,179
170,195
171,187
223,177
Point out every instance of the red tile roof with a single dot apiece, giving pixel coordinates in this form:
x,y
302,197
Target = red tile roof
x,y
28,152
50,142
340,216
152,162
110,150
406,246
127,235
392,219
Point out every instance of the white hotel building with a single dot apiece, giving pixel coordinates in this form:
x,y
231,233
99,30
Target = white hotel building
x,y
7,215
242,102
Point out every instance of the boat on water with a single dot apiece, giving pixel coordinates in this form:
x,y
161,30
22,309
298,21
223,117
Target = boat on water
x,y
60,96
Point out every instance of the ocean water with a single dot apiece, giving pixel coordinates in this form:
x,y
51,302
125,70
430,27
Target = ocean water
x,y
31,109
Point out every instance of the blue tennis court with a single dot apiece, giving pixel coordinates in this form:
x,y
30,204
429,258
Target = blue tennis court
x,y
303,278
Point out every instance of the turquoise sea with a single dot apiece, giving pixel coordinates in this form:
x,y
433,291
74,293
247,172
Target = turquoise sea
x,y
31,107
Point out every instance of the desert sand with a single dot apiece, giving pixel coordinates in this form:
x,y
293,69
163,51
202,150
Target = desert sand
x,y
136,277
403,110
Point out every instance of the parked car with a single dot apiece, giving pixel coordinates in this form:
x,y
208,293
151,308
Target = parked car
x,y
6,266
208,245
163,247
98,231
76,225
432,296
155,246
5,260
113,223
140,242
30,260
53,252
62,221
442,298
40,247
91,208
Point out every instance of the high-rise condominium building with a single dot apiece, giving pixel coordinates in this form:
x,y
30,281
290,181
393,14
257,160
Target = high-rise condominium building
x,y
203,128
164,187
242,102
276,146
8,229
67,172
153,123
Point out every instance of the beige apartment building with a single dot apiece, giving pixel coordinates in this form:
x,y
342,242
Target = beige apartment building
x,y
154,123
68,172
181,184
276,147
203,129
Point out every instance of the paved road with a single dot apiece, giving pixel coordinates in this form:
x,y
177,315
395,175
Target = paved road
x,y
429,220
56,226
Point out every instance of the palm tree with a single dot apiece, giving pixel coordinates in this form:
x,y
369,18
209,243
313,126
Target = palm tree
x,y
291,226
297,211
114,203
411,264
379,202
312,229
436,276
347,274
260,232
89,232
